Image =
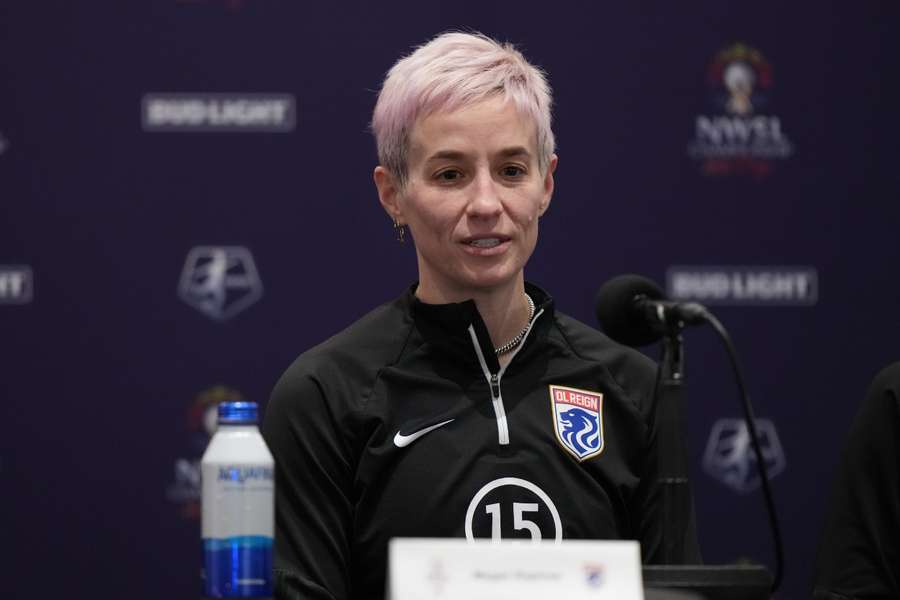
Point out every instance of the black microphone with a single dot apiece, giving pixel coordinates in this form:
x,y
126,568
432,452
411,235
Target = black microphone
x,y
633,310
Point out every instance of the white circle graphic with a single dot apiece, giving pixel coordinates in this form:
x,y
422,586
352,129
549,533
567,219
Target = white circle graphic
x,y
493,485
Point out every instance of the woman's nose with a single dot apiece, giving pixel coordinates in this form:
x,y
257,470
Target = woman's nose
x,y
485,200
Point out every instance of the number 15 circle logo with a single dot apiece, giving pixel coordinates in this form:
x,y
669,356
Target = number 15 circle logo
x,y
524,514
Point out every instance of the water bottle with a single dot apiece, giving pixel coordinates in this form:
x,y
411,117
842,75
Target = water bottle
x,y
238,507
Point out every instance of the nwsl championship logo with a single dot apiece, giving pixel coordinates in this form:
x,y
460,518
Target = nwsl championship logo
x,y
740,135
578,420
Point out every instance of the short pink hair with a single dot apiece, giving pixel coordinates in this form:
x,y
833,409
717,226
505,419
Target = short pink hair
x,y
452,71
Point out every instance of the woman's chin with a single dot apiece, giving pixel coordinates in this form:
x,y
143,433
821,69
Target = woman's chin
x,y
492,279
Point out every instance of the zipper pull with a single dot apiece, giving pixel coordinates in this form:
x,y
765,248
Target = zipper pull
x,y
495,386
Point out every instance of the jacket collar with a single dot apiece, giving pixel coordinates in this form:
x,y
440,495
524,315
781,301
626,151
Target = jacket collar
x,y
445,327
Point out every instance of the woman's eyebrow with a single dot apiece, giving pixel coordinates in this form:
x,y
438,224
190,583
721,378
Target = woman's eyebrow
x,y
458,155
447,155
515,151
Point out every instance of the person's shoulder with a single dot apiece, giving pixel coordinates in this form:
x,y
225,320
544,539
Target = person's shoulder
x,y
350,360
631,369
888,379
375,338
881,405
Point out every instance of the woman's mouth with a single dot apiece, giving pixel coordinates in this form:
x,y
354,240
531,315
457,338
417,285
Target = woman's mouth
x,y
486,246
485,242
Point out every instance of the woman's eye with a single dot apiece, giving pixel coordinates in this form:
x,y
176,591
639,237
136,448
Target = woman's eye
x,y
512,171
449,175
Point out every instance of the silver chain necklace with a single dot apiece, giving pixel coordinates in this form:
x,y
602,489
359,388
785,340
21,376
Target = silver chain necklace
x,y
511,344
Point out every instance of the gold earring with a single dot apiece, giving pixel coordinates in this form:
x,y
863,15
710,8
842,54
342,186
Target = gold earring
x,y
400,230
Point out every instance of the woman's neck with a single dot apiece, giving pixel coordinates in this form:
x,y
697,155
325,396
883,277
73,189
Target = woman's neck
x,y
504,310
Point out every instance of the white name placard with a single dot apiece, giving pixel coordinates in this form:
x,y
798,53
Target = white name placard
x,y
456,569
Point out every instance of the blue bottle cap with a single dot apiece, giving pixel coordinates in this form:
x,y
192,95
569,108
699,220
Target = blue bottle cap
x,y
238,413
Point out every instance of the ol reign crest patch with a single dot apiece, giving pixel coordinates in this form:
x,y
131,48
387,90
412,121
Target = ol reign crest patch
x,y
578,420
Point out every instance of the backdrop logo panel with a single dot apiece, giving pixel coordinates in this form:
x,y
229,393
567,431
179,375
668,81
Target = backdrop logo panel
x,y
201,422
218,112
744,286
220,281
16,284
4,144
729,457
737,137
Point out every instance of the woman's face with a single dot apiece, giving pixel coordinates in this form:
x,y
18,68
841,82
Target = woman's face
x,y
472,199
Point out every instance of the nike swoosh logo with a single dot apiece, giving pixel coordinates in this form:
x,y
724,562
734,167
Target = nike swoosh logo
x,y
401,441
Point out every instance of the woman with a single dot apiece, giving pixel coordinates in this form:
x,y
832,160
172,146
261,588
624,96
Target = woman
x,y
467,407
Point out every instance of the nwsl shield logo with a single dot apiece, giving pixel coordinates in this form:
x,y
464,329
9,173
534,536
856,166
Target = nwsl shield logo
x,y
578,420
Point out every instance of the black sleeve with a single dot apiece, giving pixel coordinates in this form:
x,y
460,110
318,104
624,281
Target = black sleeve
x,y
859,552
313,490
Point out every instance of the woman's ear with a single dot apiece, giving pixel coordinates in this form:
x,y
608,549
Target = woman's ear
x,y
388,193
548,185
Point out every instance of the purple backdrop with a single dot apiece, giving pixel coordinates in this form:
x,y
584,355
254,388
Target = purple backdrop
x,y
107,370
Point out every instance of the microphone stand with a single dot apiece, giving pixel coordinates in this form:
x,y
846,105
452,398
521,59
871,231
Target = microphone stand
x,y
677,509
735,582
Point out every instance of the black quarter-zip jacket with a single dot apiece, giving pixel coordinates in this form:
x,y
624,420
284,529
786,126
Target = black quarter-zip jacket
x,y
404,425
